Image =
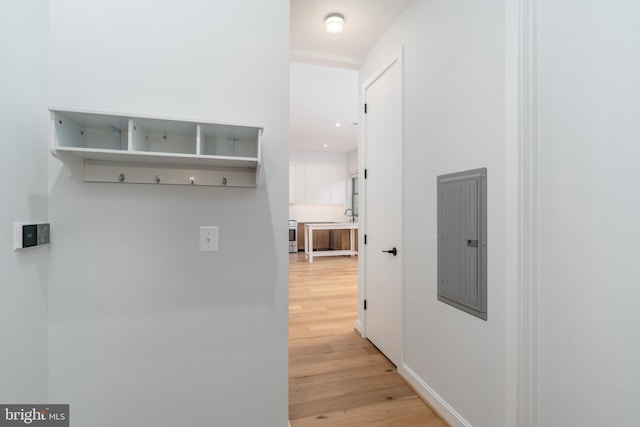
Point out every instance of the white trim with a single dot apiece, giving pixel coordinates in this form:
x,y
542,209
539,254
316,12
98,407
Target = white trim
x,y
441,406
512,208
358,327
403,187
361,323
528,202
397,57
304,56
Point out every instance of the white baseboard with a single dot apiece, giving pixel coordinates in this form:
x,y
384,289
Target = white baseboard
x,y
359,327
434,399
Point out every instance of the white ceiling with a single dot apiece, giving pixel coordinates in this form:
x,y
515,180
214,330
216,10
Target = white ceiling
x,y
319,98
365,22
324,78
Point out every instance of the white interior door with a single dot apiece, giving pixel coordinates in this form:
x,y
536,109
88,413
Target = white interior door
x,y
383,209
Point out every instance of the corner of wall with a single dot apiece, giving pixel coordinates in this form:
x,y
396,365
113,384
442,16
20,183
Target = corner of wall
x,y
23,169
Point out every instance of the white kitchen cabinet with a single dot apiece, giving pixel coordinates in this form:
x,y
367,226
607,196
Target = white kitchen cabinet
x,y
338,184
323,184
292,183
135,149
310,184
317,183
301,183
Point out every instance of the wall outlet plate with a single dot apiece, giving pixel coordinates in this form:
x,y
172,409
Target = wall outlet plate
x,y
208,239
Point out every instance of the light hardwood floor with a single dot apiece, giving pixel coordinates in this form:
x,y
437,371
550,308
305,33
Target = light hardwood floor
x,y
336,378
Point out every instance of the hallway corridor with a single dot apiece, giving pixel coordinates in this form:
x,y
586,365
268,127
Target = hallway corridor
x,y
336,378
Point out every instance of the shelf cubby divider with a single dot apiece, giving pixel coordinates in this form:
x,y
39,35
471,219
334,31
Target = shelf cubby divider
x,y
139,137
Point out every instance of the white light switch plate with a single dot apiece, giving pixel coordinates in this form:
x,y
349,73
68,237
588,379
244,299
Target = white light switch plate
x,y
208,239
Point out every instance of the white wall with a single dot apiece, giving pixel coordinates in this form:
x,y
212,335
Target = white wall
x,y
144,329
589,205
317,213
23,173
454,106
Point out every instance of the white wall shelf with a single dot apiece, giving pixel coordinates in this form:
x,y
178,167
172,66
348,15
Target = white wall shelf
x,y
146,150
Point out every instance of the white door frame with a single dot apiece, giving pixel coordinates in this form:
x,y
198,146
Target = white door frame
x,y
361,322
521,177
525,14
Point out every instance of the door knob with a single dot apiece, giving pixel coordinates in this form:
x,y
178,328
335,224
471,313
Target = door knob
x,y
393,251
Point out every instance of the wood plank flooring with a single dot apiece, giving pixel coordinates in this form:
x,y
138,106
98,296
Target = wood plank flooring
x,y
336,378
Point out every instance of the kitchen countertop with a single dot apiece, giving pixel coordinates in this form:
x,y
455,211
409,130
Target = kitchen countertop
x,y
332,225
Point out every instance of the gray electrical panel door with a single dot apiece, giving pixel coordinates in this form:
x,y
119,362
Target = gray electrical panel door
x,y
462,241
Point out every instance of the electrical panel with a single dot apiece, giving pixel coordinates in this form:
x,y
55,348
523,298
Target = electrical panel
x,y
462,241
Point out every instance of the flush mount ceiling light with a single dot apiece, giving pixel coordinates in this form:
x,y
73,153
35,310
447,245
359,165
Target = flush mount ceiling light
x,y
334,23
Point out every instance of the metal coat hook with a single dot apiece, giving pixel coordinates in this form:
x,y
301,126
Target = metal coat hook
x,y
192,180
121,177
157,179
224,181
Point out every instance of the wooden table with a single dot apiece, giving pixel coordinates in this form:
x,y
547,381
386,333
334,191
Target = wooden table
x,y
308,239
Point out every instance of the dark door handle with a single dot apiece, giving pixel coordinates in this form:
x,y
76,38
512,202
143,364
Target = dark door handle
x,y
393,251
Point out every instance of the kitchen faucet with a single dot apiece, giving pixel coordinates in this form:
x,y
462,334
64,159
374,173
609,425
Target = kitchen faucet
x,y
352,219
